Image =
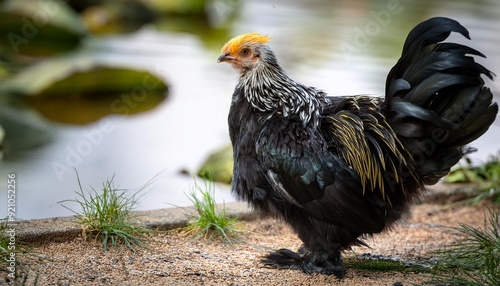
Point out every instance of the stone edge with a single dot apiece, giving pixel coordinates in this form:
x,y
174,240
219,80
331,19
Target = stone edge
x,y
61,229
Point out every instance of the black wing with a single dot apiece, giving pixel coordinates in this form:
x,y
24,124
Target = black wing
x,y
307,175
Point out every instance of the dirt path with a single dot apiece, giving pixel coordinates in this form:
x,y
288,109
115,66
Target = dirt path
x,y
176,260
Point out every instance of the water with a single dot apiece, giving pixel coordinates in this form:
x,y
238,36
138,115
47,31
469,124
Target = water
x,y
344,48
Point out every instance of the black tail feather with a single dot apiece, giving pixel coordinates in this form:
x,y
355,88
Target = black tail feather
x,y
435,97
432,31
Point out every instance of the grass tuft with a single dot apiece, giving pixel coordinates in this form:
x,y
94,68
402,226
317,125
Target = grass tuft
x,y
473,260
4,240
376,265
7,249
4,250
108,215
212,222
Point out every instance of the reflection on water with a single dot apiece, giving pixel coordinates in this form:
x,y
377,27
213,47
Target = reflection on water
x,y
346,47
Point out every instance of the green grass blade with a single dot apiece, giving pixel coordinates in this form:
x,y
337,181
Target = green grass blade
x,y
212,222
108,214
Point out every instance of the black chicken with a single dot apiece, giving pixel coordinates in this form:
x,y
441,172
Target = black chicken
x,y
338,169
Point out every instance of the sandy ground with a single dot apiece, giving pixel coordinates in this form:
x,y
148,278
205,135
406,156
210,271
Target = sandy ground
x,y
173,259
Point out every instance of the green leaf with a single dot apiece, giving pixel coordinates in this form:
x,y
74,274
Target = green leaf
x,y
218,166
87,96
77,89
462,175
39,28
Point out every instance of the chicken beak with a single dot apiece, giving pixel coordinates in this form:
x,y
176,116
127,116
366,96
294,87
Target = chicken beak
x,y
225,58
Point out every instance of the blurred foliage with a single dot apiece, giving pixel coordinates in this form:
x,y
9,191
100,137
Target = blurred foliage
x,y
2,135
87,96
177,7
39,28
100,80
77,89
210,23
218,166
80,5
48,66
208,20
47,27
23,130
117,17
485,176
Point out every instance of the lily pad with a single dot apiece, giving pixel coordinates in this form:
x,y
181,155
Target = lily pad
x,y
39,28
86,96
218,166
78,88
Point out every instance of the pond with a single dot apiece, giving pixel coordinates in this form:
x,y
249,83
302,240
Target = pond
x,y
343,47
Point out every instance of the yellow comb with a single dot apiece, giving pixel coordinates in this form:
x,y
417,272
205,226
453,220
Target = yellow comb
x,y
235,43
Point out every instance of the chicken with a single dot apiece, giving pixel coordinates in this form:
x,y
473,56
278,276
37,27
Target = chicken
x,y
339,169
